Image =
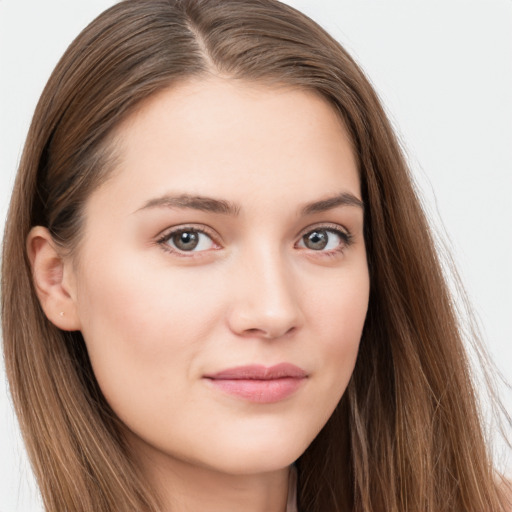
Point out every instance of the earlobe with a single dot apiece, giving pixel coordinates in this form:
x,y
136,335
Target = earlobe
x,y
51,274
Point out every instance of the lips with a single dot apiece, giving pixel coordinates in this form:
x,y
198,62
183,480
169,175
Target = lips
x,y
258,383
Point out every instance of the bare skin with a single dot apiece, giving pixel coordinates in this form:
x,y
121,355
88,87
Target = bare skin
x,y
231,234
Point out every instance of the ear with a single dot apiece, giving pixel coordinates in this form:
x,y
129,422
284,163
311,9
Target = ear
x,y
53,277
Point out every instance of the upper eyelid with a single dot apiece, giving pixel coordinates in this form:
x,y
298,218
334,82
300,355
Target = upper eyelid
x,y
324,225
212,232
200,228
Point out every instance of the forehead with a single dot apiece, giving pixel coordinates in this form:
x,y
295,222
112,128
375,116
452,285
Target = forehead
x,y
225,137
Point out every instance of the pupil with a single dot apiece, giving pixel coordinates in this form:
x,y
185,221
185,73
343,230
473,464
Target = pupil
x,y
186,241
316,240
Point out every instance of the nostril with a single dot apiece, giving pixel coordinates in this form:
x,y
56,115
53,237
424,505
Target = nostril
x,y
268,333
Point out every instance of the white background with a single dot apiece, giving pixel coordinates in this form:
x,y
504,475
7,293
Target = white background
x,y
444,71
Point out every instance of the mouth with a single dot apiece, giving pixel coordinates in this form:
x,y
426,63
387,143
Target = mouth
x,y
258,383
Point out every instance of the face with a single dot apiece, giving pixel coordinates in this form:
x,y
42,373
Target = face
x,y
222,283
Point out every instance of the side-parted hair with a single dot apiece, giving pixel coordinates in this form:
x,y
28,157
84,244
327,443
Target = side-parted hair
x,y
407,434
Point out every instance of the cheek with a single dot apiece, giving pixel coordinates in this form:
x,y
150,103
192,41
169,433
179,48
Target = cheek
x,y
125,300
141,335
339,313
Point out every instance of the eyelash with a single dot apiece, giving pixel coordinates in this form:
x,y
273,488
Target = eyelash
x,y
168,235
345,236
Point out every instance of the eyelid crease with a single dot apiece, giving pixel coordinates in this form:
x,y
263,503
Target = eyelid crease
x,y
180,228
328,226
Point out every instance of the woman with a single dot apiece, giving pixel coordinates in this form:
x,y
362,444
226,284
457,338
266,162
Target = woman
x,y
226,271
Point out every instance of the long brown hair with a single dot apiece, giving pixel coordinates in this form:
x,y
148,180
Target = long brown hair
x,y
407,434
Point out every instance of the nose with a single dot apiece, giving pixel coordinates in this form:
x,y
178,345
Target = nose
x,y
266,303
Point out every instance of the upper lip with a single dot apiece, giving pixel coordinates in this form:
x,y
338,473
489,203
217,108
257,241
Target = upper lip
x,y
259,372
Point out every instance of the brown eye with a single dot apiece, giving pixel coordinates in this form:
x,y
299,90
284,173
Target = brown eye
x,y
316,240
186,240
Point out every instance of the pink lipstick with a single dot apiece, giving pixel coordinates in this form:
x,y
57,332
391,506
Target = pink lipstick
x,y
259,384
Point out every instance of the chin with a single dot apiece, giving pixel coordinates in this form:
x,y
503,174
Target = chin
x,y
253,463
252,457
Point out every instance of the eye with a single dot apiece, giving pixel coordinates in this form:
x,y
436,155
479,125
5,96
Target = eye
x,y
325,240
187,240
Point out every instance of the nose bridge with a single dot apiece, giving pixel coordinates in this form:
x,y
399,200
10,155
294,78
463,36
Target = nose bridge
x,y
267,302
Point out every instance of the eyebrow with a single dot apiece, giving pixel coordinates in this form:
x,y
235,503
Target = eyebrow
x,y
343,199
202,203
221,206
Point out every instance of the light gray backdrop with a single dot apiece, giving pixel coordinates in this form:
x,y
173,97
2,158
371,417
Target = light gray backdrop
x,y
444,71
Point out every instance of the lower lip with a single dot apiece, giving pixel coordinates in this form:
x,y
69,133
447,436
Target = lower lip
x,y
259,391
